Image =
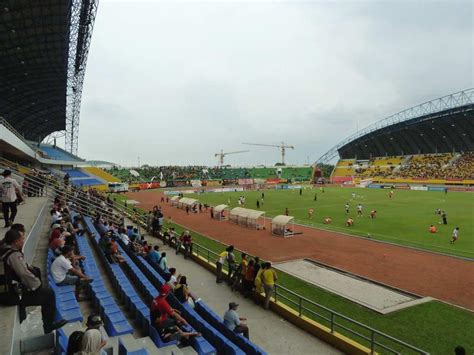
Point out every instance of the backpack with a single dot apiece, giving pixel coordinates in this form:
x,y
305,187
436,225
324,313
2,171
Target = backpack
x,y
75,342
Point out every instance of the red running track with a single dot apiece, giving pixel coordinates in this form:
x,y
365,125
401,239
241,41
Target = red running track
x,y
427,274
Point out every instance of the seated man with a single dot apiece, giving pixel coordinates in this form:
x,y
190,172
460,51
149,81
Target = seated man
x,y
21,277
234,322
65,274
166,320
154,255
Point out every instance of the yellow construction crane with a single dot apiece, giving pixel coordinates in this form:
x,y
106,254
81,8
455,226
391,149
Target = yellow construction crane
x,y
283,147
221,155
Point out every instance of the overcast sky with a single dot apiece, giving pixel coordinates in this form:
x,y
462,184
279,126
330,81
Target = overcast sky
x,y
175,82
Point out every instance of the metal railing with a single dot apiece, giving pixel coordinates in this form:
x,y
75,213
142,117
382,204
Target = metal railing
x,y
304,307
375,340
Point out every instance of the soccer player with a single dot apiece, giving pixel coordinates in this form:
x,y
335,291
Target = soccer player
x,y
390,194
432,229
315,196
287,212
346,207
310,212
373,214
359,210
455,235
353,195
350,222
327,220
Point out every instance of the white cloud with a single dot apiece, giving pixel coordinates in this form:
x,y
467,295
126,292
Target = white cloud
x,y
175,82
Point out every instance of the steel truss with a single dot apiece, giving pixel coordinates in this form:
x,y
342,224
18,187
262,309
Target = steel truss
x,y
447,102
83,13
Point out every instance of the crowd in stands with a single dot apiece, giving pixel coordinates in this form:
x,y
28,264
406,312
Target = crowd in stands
x,y
427,166
462,168
188,173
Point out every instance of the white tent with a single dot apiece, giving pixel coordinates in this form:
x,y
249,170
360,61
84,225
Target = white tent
x,y
187,202
281,226
247,217
174,200
220,212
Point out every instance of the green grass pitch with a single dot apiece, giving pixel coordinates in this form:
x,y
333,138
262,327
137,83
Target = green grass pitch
x,y
402,220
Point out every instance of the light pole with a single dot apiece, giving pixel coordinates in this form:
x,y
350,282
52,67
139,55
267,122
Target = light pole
x,y
138,162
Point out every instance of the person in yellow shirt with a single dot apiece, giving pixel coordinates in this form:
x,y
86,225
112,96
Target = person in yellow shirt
x,y
269,277
258,281
240,273
223,257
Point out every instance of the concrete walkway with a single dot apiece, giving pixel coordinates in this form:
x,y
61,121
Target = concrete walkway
x,y
269,331
27,215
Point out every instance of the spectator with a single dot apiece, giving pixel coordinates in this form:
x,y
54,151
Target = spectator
x,y
240,273
112,253
163,262
10,192
124,237
167,320
65,274
154,255
248,279
269,277
258,282
234,322
182,292
25,280
231,262
220,263
104,241
93,341
186,241
172,278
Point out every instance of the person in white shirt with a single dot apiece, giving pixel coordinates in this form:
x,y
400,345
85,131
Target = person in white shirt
x,y
125,239
10,191
64,273
455,235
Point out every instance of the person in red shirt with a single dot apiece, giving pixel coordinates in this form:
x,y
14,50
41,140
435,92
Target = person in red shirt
x,y
186,241
166,319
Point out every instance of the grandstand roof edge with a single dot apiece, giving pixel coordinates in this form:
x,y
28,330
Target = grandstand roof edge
x,y
457,99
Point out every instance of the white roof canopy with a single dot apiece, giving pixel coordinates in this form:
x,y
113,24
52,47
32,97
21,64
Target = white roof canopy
x,y
174,198
220,208
246,213
281,220
188,201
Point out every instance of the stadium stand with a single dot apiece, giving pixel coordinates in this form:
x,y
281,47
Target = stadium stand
x,y
102,174
444,167
57,153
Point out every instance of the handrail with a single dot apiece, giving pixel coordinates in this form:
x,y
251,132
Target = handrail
x,y
301,305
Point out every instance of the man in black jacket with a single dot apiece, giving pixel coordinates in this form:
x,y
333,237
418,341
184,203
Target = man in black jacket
x,y
24,281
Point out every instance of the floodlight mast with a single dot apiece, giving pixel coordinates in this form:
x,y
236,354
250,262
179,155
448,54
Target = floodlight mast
x,y
283,147
221,155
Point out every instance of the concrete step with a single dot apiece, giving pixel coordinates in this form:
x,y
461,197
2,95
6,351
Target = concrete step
x,y
188,351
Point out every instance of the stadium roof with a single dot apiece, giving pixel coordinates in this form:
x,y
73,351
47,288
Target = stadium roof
x,y
43,48
439,126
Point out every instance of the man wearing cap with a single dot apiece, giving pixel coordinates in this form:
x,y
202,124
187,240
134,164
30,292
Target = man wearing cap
x,y
9,188
234,322
24,282
93,340
64,273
